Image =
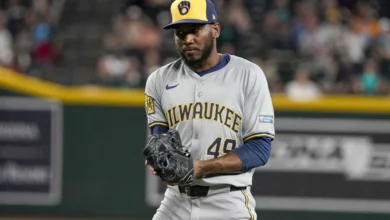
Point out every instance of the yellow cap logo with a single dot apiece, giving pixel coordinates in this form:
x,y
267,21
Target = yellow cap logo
x,y
189,10
184,7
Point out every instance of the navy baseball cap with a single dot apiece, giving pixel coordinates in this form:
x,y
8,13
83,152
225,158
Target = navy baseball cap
x,y
192,12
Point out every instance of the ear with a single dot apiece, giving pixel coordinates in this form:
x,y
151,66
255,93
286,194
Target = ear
x,y
216,28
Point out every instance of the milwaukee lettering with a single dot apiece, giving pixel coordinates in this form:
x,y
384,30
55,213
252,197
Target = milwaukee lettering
x,y
204,111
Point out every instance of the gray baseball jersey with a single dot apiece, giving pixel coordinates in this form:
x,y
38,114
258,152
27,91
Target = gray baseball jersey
x,y
213,113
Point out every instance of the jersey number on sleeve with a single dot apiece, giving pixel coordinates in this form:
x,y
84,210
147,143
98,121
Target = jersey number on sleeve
x,y
215,148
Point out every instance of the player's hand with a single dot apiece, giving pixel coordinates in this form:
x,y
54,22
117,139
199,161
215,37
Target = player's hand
x,y
197,168
152,171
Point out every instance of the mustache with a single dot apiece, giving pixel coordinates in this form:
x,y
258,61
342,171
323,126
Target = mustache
x,y
186,48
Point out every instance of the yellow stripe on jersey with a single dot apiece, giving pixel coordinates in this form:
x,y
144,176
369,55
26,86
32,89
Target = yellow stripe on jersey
x,y
247,205
158,123
258,135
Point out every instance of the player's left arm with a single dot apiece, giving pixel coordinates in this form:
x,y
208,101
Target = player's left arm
x,y
258,132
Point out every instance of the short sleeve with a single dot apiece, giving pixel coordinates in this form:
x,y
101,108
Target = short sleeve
x,y
153,109
258,118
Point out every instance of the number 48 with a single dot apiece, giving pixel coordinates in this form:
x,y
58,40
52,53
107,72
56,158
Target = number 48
x,y
215,148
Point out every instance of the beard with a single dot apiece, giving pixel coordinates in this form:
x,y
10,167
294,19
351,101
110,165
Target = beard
x,y
196,61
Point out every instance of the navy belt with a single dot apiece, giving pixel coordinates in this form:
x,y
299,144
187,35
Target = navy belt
x,y
202,191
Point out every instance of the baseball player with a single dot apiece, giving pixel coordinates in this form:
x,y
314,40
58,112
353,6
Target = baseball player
x,y
220,105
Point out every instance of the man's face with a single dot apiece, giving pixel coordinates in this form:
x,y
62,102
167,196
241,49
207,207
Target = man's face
x,y
195,42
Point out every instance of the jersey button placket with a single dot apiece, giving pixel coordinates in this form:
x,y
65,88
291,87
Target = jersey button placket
x,y
198,91
197,123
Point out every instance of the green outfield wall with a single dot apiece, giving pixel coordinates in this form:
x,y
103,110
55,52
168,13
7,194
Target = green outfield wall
x,y
103,172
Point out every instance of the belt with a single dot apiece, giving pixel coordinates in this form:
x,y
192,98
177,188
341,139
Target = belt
x,y
203,191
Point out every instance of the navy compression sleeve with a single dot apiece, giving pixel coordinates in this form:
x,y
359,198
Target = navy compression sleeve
x,y
254,153
158,129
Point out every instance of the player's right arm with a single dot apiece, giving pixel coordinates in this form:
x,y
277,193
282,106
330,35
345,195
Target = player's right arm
x,y
153,108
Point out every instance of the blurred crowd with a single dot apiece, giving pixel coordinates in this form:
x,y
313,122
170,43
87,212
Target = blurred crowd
x,y
27,36
305,47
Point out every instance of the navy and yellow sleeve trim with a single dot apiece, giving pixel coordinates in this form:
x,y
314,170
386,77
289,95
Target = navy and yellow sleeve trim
x,y
161,123
258,135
